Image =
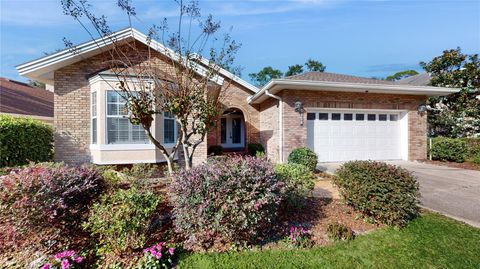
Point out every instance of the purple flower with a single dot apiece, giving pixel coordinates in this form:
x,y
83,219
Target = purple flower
x,y
78,259
171,250
65,264
45,266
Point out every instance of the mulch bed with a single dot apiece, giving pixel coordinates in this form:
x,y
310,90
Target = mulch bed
x,y
464,165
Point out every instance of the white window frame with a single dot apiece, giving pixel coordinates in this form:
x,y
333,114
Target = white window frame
x,y
107,116
174,129
94,118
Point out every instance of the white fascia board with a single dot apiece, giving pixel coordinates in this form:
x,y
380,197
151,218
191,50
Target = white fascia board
x,y
277,85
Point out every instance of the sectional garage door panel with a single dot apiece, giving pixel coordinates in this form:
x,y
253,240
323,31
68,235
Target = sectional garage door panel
x,y
343,136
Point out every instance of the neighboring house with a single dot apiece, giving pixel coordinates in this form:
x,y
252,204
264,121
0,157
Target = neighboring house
x,y
422,79
340,117
19,99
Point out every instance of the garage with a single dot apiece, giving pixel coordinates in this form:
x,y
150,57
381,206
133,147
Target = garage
x,y
346,135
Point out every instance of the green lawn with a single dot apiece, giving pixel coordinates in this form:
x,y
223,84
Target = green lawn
x,y
432,241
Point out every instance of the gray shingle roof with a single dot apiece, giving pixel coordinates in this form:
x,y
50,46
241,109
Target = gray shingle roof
x,y
422,79
332,77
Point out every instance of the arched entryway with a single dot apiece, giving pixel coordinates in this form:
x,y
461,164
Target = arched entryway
x,y
232,130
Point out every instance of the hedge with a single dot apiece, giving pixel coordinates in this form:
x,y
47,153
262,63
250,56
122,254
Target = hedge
x,y
449,149
23,140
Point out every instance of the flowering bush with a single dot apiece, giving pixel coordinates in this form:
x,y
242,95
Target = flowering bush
x,y
387,193
299,182
44,195
228,200
64,260
298,236
157,256
338,231
121,220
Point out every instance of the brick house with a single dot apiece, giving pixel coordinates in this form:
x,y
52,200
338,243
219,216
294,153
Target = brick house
x,y
340,117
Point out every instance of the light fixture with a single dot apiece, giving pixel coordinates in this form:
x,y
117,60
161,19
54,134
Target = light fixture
x,y
422,108
299,109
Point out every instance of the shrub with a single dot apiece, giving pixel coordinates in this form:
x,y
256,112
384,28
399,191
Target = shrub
x,y
304,156
299,182
142,171
23,140
215,150
298,237
338,231
449,149
121,219
255,148
43,195
225,201
386,193
476,159
473,145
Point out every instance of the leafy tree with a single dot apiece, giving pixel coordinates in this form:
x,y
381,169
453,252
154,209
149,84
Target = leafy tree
x,y
265,75
191,91
35,83
402,75
456,115
313,65
294,70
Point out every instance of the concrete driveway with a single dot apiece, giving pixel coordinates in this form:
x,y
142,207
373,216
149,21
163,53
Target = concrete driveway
x,y
453,192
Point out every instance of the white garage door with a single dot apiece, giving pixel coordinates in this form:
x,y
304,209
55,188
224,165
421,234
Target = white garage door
x,y
354,135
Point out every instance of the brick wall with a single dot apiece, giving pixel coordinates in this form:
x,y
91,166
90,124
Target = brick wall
x,y
269,134
295,135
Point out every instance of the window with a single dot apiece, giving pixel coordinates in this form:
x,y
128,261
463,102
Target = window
x,y
94,117
310,116
119,128
372,117
359,117
382,117
348,116
336,116
168,128
323,116
393,117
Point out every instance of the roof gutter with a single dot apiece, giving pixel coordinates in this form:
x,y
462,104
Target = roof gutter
x,y
280,123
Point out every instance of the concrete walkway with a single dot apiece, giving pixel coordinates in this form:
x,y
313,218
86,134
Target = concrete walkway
x,y
453,192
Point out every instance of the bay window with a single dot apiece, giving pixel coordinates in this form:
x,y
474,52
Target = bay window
x,y
119,128
94,117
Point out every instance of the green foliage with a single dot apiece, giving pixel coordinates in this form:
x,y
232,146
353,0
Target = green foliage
x,y
120,220
304,156
337,232
142,170
23,140
299,182
255,148
473,145
313,65
402,74
449,149
294,70
387,193
215,150
232,200
458,114
265,75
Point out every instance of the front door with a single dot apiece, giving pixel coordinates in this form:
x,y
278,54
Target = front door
x,y
232,131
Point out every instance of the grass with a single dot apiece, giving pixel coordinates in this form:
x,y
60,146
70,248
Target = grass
x,y
430,241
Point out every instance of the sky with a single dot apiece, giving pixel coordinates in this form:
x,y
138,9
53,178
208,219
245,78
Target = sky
x,y
363,38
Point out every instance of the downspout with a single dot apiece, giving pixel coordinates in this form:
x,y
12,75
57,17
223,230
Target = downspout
x,y
280,124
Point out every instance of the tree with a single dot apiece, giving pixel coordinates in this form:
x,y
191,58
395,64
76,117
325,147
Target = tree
x,y
191,89
313,65
294,70
265,75
458,114
35,83
402,74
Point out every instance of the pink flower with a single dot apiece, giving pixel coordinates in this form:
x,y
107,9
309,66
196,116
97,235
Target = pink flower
x,y
78,259
158,255
45,266
65,264
171,250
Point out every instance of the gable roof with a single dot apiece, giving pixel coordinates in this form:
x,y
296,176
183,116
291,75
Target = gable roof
x,y
318,81
20,98
422,79
42,69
